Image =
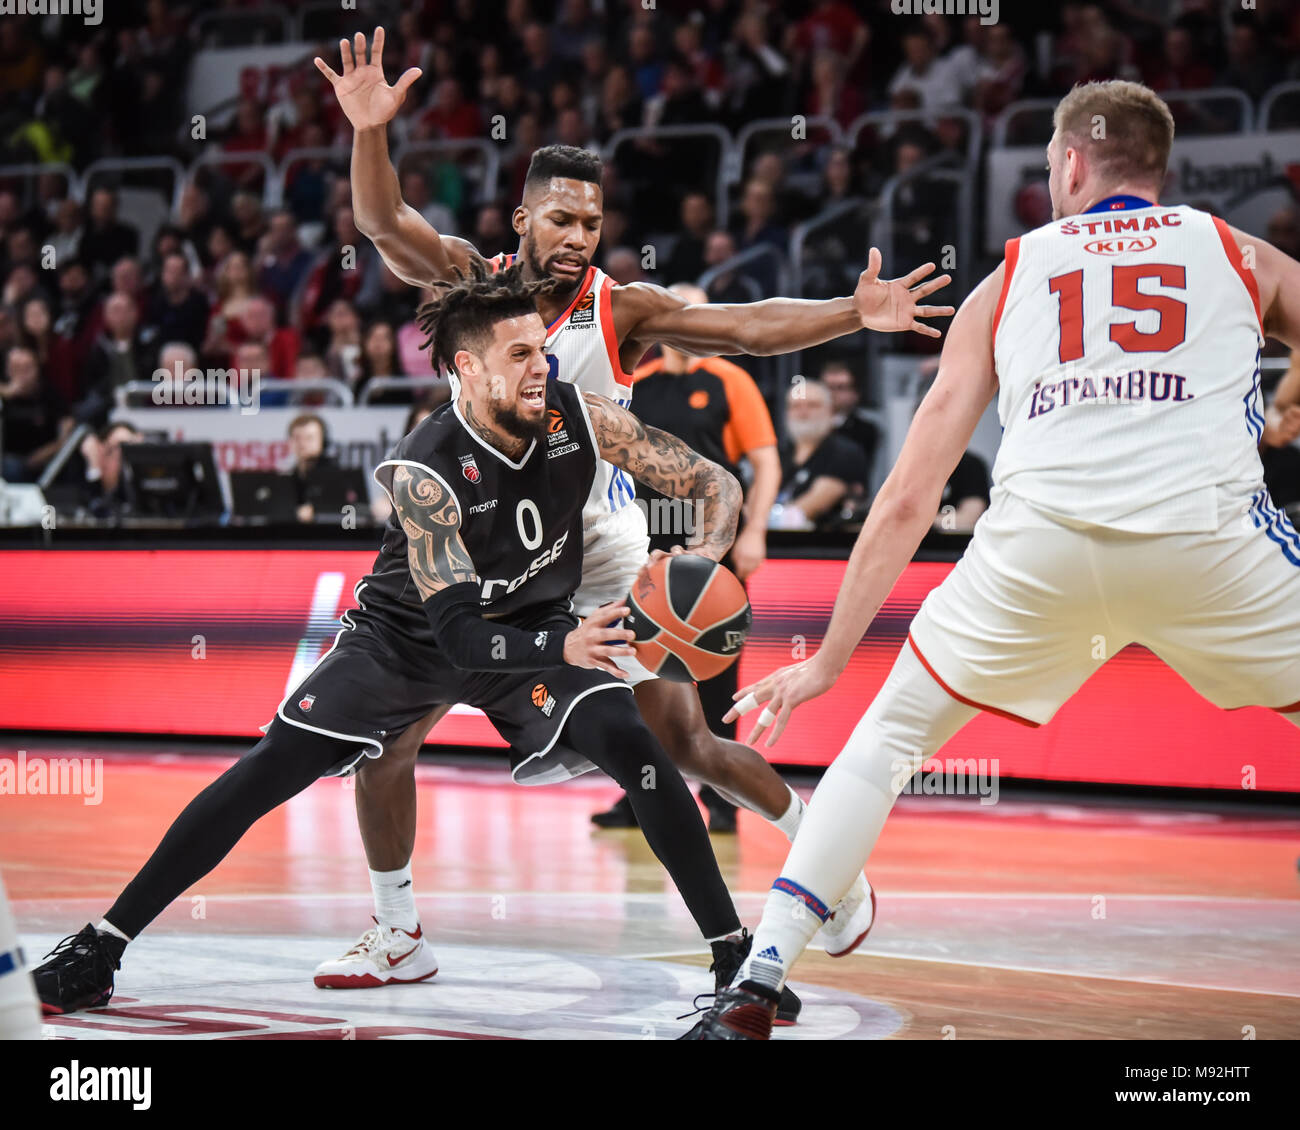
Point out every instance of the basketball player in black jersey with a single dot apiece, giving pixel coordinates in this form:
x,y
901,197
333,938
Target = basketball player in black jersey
x,y
558,223
468,601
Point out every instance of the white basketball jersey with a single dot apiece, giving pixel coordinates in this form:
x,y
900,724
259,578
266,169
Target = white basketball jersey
x,y
583,350
1126,342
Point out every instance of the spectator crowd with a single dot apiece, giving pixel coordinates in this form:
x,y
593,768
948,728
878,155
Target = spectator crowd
x,y
89,302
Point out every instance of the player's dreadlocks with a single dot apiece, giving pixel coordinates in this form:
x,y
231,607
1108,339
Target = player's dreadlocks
x,y
464,315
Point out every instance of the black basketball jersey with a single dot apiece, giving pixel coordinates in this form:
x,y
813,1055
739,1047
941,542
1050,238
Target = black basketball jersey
x,y
521,522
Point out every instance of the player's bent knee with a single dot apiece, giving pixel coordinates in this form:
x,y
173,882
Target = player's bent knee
x,y
909,720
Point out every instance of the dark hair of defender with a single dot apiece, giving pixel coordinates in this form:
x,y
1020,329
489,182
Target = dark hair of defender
x,y
464,316
567,162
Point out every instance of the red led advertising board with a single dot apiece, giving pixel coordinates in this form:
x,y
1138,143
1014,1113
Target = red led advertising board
x,y
210,641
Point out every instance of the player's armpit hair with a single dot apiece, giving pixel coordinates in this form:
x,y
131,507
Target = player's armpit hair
x,y
430,519
664,463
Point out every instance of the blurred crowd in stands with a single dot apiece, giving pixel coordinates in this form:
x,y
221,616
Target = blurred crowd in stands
x,y
88,303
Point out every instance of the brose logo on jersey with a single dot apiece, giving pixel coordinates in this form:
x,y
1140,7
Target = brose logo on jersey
x,y
538,563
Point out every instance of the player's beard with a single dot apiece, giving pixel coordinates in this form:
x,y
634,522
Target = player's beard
x,y
511,421
537,268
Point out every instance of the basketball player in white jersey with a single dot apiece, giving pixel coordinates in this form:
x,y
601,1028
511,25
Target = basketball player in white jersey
x,y
20,1015
1122,341
596,334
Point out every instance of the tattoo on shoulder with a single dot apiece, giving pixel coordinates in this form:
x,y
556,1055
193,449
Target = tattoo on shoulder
x,y
431,521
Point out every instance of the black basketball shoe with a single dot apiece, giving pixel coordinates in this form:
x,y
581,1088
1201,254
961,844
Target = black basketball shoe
x,y
746,1012
78,972
728,956
618,816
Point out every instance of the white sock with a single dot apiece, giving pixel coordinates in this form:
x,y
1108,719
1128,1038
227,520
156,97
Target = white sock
x,y
788,821
395,898
106,927
910,718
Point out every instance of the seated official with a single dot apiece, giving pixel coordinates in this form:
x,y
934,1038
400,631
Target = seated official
x,y
821,471
307,439
104,490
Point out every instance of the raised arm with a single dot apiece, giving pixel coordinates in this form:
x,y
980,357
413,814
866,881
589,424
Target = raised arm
x,y
647,315
903,510
667,465
408,243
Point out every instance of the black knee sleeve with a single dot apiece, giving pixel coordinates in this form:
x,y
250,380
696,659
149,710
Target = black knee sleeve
x,y
280,766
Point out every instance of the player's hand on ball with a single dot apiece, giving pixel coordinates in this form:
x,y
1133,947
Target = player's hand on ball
x,y
594,644
365,97
891,305
779,694
655,555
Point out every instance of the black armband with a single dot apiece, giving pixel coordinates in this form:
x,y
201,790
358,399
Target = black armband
x,y
475,644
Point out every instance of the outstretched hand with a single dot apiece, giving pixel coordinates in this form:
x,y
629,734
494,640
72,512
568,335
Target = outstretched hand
x,y
365,97
782,691
890,305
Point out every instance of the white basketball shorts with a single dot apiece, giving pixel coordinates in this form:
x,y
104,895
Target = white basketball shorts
x,y
614,547
1035,606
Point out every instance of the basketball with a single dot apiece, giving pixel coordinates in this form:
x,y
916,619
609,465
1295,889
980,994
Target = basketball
x,y
690,616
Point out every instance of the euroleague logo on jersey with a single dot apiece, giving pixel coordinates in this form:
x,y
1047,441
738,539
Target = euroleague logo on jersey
x,y
543,699
1121,245
585,311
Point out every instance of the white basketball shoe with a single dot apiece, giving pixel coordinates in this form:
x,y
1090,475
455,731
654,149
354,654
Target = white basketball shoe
x,y
850,921
385,955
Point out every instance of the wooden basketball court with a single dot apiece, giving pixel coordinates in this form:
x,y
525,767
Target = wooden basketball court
x,y
1029,918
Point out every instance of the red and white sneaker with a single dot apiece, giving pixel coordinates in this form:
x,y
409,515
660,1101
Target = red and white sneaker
x,y
850,921
385,955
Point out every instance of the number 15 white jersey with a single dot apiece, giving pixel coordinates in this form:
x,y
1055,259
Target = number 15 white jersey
x,y
1126,342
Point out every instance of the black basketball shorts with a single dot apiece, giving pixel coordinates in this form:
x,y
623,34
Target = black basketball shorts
x,y
370,686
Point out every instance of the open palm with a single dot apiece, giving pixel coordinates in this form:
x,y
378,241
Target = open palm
x,y
891,305
366,98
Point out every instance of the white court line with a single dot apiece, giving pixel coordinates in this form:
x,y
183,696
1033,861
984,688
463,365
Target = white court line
x,y
1019,896
1010,966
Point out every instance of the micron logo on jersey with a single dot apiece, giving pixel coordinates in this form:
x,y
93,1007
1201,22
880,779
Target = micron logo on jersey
x,y
537,564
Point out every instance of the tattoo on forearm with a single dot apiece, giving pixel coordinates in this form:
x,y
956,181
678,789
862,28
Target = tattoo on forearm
x,y
664,463
431,521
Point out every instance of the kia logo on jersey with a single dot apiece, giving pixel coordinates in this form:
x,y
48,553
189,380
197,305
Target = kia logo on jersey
x,y
469,468
1121,245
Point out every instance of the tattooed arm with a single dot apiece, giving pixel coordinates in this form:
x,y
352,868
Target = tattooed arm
x,y
449,587
431,522
667,465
